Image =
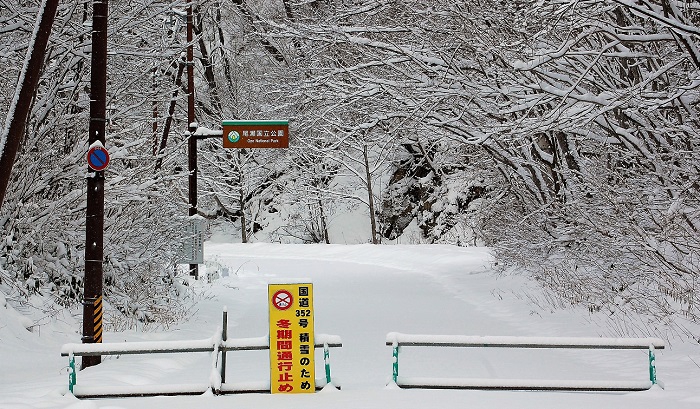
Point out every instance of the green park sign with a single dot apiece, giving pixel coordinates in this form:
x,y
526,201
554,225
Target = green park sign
x,y
255,134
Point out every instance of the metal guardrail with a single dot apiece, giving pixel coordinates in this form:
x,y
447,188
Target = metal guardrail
x,y
167,347
397,340
216,344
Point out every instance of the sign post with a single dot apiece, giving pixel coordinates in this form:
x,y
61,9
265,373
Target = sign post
x,y
292,361
98,159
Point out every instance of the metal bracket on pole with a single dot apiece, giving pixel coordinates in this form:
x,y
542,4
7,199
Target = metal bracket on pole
x,y
90,301
91,174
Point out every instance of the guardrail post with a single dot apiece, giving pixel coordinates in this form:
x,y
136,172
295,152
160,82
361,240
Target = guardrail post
x,y
327,362
224,335
652,365
395,371
71,372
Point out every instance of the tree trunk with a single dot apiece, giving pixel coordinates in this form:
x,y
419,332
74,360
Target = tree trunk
x,y
241,203
324,224
370,196
154,108
11,138
241,200
169,118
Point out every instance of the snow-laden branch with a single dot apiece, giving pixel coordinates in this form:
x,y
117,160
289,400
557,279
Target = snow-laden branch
x,y
656,13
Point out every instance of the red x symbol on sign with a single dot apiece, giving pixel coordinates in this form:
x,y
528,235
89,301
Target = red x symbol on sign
x,y
282,300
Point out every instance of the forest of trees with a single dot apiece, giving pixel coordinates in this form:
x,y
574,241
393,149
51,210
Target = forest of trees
x,y
563,134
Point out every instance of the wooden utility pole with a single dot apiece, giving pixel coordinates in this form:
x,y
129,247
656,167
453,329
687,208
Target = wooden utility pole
x,y
192,127
94,220
17,116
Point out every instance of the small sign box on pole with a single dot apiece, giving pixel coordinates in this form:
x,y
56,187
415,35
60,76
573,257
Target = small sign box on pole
x,y
291,338
256,134
192,249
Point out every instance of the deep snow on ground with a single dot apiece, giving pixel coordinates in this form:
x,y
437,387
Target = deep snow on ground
x,y
361,293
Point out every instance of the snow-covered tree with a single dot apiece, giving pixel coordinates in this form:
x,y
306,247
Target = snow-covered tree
x,y
43,219
587,111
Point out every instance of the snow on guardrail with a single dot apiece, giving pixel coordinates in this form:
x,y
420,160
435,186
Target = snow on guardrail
x,y
522,342
200,345
126,348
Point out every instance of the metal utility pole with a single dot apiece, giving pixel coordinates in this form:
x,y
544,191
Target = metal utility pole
x,y
94,220
192,142
17,115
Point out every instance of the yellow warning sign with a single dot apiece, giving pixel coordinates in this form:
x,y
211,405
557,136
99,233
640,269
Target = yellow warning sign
x,y
291,338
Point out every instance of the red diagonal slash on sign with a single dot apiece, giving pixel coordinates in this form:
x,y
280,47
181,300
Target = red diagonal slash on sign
x,y
282,300
98,158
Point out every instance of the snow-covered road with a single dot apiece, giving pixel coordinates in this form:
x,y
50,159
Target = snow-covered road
x,y
361,293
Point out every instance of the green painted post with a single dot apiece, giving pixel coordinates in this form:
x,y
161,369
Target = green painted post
x,y
652,365
71,373
327,362
395,371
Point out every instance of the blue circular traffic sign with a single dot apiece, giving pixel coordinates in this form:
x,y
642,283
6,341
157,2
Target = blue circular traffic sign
x,y
98,158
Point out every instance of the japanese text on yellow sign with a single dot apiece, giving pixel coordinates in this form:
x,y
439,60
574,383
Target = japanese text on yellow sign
x,y
291,338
